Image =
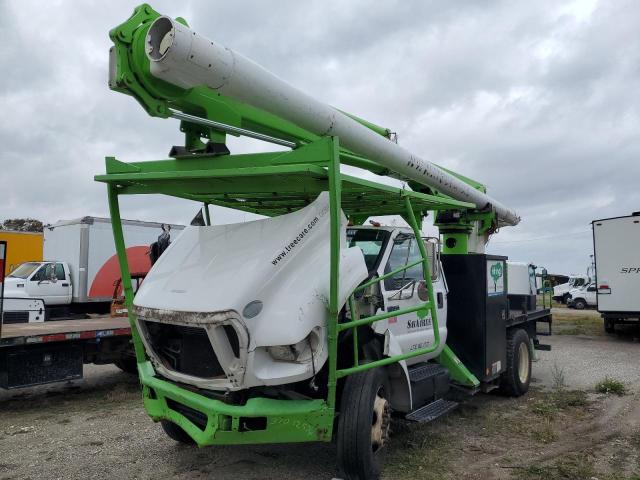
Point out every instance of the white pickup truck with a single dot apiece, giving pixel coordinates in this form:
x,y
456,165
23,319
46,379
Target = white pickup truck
x,y
581,298
80,271
561,292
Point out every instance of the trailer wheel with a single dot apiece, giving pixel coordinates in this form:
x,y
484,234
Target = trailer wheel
x,y
609,325
175,432
579,304
363,425
515,381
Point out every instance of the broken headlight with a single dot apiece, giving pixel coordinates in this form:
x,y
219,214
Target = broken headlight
x,y
298,352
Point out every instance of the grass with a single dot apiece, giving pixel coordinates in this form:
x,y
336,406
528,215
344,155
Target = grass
x,y
557,401
419,453
577,324
571,467
611,385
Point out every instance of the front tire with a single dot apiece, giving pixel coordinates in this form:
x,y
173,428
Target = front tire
x,y
363,425
175,432
580,304
515,381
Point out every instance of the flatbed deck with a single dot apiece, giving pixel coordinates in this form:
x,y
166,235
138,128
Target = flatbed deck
x,y
538,315
63,330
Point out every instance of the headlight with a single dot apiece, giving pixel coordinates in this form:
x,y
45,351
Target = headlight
x,y
298,352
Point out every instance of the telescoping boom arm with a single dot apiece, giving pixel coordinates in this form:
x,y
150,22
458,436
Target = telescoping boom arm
x,y
183,58
186,59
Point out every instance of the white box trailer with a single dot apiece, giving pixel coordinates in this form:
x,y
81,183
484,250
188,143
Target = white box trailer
x,y
616,247
86,245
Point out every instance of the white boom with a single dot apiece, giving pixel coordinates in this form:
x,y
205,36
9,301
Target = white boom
x,y
184,58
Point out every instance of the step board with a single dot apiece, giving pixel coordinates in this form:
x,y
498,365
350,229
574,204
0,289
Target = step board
x,y
431,411
423,371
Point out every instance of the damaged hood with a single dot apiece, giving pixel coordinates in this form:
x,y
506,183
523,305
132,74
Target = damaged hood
x,y
273,273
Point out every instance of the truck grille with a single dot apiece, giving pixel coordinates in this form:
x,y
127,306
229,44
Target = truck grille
x,y
183,349
15,317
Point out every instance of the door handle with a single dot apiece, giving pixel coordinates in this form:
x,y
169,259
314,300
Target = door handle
x,y
440,299
65,284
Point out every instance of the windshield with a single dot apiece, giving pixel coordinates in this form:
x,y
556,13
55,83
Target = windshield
x,y
371,242
24,270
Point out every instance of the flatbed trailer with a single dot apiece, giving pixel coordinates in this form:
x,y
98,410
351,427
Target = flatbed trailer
x,y
39,353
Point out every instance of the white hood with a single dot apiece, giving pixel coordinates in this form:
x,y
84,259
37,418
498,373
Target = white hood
x,y
282,262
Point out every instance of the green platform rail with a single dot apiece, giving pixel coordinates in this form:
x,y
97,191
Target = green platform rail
x,y
272,184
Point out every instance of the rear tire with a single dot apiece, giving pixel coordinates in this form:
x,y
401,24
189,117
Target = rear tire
x,y
609,325
174,432
363,425
515,381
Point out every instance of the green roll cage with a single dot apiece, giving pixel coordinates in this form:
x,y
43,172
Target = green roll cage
x,y
272,184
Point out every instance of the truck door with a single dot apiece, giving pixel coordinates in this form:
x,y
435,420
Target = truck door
x,y
406,289
50,283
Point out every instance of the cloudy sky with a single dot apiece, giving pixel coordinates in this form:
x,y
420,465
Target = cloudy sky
x,y
538,100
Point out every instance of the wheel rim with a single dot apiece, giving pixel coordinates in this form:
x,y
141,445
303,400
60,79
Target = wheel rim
x,y
523,363
380,422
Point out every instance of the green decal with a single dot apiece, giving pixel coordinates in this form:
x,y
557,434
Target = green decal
x,y
496,273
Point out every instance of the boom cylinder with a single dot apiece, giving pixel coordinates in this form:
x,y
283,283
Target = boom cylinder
x,y
182,57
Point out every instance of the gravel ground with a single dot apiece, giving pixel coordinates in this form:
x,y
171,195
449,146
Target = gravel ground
x,y
584,360
96,427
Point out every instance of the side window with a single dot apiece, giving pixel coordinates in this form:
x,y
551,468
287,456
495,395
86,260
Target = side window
x,y
60,271
404,251
40,274
44,273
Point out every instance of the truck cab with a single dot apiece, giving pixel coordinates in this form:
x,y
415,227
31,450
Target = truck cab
x,y
583,297
561,292
48,280
386,249
266,324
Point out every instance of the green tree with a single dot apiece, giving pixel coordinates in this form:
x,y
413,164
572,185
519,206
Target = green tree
x,y
22,225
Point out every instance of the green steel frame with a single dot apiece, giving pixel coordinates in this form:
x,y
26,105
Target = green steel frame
x,y
272,184
269,184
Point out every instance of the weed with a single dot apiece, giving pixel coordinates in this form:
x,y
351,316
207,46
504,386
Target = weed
x,y
545,434
611,385
557,374
557,401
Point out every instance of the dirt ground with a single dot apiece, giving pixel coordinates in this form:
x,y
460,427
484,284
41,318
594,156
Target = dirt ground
x,y
96,428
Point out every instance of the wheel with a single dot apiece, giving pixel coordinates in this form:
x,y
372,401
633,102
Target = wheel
x,y
174,432
609,325
363,425
579,304
127,364
515,381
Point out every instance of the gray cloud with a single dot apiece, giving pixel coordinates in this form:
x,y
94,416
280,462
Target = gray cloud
x,y
539,100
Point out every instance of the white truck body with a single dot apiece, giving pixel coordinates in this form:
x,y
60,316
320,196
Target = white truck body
x,y
80,264
616,245
521,278
268,280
